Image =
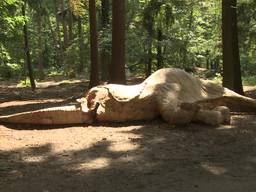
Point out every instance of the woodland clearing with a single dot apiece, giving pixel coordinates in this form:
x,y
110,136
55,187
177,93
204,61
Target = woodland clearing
x,y
137,156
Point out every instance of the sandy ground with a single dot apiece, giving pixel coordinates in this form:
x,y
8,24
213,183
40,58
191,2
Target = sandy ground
x,y
143,156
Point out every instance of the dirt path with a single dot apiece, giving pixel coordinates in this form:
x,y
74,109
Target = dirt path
x,y
143,156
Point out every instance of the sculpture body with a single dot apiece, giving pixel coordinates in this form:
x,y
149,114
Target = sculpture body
x,y
171,93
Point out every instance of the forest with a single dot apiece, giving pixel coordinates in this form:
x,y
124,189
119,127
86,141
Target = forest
x,y
172,132
112,41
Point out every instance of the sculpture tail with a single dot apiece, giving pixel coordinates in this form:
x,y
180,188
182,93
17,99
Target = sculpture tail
x,y
234,101
51,116
240,104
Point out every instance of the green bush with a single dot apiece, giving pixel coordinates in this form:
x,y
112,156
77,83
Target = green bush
x,y
249,80
8,71
24,83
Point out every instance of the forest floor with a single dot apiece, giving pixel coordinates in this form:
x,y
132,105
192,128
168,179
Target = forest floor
x,y
143,156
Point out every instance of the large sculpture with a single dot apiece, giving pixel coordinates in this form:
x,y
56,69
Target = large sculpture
x,y
170,93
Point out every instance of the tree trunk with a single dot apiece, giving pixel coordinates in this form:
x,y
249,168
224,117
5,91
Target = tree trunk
x,y
81,45
117,69
149,58
186,62
159,63
27,50
59,51
55,40
231,59
94,76
70,25
40,44
64,24
105,52
105,8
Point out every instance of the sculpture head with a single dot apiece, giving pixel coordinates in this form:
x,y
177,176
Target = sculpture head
x,y
93,99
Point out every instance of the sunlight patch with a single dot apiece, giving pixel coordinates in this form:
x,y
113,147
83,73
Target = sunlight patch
x,y
33,158
128,158
158,140
98,163
123,147
21,103
224,127
215,170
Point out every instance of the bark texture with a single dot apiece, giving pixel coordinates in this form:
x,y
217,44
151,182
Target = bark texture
x,y
27,51
117,69
94,76
231,58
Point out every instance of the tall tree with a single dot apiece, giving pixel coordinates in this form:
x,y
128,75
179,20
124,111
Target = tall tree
x,y
148,64
40,45
27,49
157,17
64,23
70,24
81,44
231,58
105,8
76,10
94,76
159,56
105,52
117,69
40,11
59,50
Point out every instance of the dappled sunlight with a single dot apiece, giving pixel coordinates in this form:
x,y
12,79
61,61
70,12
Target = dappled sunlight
x,y
153,156
225,127
22,103
158,140
49,82
135,156
244,120
239,121
213,169
125,92
33,158
123,146
106,141
58,82
99,163
128,158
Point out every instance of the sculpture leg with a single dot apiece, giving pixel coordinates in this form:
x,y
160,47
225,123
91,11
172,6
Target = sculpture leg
x,y
225,112
179,114
216,116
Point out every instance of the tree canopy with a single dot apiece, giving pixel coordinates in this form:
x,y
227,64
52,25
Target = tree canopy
x,y
158,33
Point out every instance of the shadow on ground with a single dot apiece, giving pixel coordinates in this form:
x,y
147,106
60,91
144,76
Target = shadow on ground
x,y
148,157
145,156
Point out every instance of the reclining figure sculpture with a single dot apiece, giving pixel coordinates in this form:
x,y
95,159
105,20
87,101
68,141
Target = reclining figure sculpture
x,y
170,93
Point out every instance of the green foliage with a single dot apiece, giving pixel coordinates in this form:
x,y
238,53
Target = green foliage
x,y
11,22
218,78
157,15
8,71
77,7
24,83
249,80
54,71
105,39
247,35
71,63
191,35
